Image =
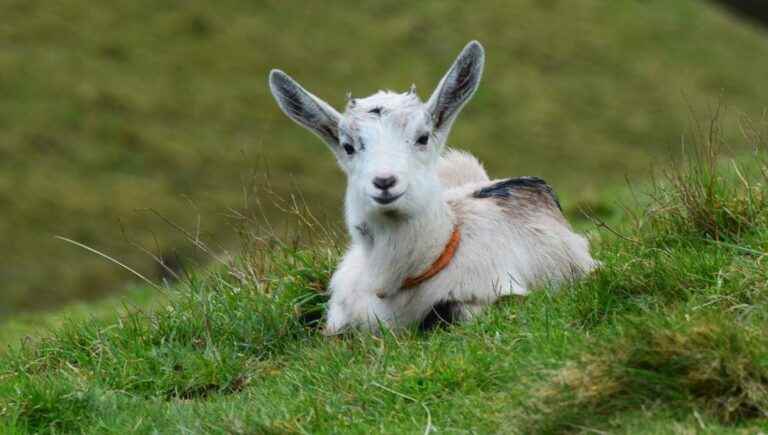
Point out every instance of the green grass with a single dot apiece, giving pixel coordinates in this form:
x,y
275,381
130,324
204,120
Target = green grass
x,y
30,326
667,336
110,108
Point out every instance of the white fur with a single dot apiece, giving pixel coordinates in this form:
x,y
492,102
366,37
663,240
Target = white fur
x,y
508,245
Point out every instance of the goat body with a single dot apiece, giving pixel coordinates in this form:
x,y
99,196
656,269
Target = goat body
x,y
407,195
513,238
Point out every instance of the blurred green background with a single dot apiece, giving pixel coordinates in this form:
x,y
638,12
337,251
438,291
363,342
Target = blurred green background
x,y
110,109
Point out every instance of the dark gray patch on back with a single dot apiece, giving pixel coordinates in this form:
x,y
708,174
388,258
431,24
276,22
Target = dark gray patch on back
x,y
505,189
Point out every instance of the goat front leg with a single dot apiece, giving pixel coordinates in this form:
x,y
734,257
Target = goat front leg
x,y
384,283
353,304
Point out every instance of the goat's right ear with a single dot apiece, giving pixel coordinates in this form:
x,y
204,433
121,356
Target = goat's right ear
x,y
306,109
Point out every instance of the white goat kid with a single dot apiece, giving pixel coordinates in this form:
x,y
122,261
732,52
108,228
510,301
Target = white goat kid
x,y
429,230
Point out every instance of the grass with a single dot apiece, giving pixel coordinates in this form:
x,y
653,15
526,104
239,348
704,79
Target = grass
x,y
667,336
112,108
29,326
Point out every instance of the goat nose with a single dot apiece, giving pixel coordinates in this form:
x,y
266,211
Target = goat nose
x,y
384,183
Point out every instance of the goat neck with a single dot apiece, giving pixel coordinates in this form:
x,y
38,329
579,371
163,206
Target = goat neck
x,y
399,247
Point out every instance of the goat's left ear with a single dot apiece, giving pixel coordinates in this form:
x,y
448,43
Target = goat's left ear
x,y
457,87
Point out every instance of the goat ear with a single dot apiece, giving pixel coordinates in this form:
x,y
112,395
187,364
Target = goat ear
x,y
306,109
457,86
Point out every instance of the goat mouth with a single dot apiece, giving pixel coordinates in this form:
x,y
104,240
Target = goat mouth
x,y
387,198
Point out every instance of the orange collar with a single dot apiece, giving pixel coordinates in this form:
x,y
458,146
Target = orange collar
x,y
441,263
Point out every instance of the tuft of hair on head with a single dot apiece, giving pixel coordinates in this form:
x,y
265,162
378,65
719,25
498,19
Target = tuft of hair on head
x,y
382,102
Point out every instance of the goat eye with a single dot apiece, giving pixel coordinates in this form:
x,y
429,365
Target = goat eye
x,y
423,139
349,149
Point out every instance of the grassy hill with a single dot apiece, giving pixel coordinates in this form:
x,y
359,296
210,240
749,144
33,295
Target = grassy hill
x,y
111,108
668,336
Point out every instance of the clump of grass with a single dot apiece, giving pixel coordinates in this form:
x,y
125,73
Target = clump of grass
x,y
294,264
705,195
678,306
58,406
717,366
211,339
217,330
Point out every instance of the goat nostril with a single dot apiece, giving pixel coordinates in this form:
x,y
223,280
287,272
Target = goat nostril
x,y
384,183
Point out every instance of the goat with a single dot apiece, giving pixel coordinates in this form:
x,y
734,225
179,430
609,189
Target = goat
x,y
428,228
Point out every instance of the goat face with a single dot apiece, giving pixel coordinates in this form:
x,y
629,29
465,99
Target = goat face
x,y
389,152
388,144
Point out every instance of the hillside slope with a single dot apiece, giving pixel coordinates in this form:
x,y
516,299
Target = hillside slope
x,y
667,336
109,109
